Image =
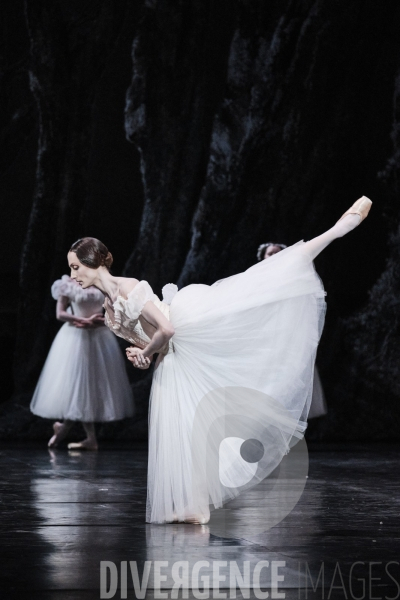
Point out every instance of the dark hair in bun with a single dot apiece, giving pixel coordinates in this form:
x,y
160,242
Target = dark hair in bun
x,y
262,249
92,253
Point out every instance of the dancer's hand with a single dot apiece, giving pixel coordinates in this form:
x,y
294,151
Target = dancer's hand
x,y
135,356
97,318
85,323
80,323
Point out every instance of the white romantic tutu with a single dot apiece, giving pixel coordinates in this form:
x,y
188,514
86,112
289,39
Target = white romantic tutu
x,y
241,369
84,378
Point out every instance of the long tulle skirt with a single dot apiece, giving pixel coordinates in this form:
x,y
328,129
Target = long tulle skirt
x,y
84,378
241,371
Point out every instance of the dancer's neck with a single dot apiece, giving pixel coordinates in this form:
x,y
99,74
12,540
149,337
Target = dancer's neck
x,y
107,284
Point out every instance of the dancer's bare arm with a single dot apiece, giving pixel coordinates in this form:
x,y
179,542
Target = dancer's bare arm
x,y
163,328
61,311
163,332
62,315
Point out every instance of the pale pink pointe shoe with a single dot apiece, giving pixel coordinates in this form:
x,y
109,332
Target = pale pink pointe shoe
x,y
360,207
191,519
197,519
175,519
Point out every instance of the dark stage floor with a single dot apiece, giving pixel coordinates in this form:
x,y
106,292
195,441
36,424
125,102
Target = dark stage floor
x,y
64,512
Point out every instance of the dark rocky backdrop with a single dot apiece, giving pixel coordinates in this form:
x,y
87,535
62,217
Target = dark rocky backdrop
x,y
183,133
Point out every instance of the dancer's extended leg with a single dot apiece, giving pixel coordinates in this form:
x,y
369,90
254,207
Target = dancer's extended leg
x,y
60,431
90,443
347,224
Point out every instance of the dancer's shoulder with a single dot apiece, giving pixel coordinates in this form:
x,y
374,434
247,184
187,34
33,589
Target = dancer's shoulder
x,y
136,296
127,285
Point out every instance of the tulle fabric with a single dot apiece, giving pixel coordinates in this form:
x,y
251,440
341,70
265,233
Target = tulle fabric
x,y
318,406
257,333
84,378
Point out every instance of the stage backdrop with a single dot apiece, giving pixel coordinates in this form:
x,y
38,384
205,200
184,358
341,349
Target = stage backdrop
x,y
183,133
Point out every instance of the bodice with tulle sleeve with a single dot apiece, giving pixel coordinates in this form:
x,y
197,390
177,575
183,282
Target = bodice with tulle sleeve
x,y
84,302
122,316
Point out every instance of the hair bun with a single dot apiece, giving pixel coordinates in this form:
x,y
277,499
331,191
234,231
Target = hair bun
x,y
108,261
92,253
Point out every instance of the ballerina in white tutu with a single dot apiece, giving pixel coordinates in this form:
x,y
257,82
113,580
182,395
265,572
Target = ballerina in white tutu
x,y
84,377
255,331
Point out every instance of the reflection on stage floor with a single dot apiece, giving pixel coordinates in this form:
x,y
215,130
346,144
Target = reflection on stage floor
x,y
65,512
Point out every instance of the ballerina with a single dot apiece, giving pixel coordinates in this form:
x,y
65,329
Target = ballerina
x,y
84,377
257,330
269,249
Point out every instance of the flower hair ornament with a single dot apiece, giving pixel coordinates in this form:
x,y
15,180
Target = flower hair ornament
x,y
261,249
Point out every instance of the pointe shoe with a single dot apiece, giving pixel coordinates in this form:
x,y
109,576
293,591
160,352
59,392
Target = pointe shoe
x,y
175,519
85,445
53,440
196,520
360,207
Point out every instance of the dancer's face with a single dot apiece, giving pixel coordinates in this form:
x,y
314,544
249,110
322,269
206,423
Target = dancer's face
x,y
82,274
271,250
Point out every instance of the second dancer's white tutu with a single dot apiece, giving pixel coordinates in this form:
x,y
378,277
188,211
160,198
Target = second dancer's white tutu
x,y
84,377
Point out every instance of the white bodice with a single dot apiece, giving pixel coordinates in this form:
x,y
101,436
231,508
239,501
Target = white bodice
x,y
122,316
84,302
